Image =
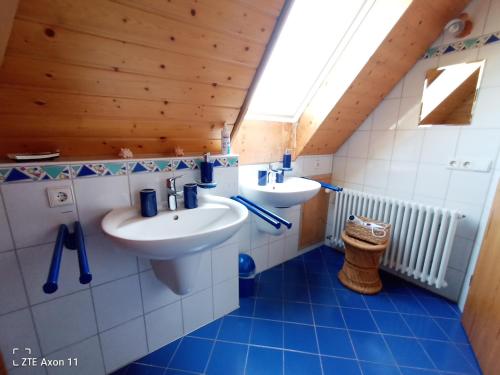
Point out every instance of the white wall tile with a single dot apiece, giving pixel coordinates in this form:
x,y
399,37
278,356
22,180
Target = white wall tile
x,y
227,181
493,18
144,264
402,177
377,173
407,145
260,256
117,302
164,325
257,237
385,116
204,277
468,187
107,261
226,297
155,294
17,332
6,242
95,197
35,264
89,357
409,113
460,254
439,145
12,292
291,246
339,166
244,243
458,58
197,310
414,80
467,227
123,344
276,252
381,145
487,110
432,180
455,280
478,143
225,263
32,221
354,171
358,145
56,320
491,73
396,91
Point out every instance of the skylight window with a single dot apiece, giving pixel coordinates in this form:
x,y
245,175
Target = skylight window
x,y
311,43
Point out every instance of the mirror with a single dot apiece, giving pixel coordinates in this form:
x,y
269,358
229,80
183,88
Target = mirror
x,y
450,94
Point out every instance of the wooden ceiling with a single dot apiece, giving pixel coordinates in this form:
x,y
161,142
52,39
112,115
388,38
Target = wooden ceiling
x,y
415,31
91,76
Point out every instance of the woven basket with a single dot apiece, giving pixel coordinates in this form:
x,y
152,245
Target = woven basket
x,y
366,234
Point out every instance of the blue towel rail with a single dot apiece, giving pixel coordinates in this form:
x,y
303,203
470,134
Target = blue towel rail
x,y
325,185
72,241
267,212
255,211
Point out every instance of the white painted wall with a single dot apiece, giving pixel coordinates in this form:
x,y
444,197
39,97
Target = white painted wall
x,y
390,155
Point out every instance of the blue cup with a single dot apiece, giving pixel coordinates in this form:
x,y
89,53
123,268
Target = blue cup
x,y
262,178
287,160
190,196
207,172
280,177
148,203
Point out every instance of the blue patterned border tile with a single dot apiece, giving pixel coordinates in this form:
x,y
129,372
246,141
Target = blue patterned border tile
x,y
226,162
34,173
145,166
178,164
463,45
99,169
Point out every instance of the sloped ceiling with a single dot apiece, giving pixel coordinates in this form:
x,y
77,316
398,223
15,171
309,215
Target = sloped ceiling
x,y
90,76
415,31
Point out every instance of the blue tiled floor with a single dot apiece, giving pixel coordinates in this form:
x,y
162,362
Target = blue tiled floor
x,y
303,321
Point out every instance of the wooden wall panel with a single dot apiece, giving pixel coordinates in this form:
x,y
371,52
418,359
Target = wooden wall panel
x,y
419,26
262,141
88,77
314,216
8,11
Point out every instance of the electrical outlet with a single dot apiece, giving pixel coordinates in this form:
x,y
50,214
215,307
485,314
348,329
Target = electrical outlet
x,y
60,196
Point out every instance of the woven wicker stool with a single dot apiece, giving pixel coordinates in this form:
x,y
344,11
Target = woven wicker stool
x,y
360,269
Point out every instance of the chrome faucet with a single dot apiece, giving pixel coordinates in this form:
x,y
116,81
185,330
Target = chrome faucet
x,y
172,193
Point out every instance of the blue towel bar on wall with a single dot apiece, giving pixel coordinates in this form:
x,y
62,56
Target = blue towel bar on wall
x,y
325,185
260,214
267,212
73,241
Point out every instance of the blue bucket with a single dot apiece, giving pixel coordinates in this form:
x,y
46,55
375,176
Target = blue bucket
x,y
246,269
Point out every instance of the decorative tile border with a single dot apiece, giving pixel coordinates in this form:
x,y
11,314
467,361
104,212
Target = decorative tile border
x,y
23,173
99,169
34,173
463,45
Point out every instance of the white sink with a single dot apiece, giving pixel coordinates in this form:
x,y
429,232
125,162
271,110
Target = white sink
x,y
174,240
293,191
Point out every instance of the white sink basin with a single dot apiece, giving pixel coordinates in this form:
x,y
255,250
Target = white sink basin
x,y
174,240
293,191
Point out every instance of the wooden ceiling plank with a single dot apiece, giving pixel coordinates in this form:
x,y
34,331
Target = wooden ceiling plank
x,y
38,102
30,39
224,16
127,24
61,77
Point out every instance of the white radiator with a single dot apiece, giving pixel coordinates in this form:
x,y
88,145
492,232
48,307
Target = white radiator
x,y
422,236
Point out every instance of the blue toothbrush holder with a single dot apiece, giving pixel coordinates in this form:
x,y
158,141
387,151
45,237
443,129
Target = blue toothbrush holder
x,y
280,177
287,161
190,196
149,207
262,178
207,172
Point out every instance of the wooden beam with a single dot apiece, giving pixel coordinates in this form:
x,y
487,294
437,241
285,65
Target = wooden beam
x,y
7,13
417,28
